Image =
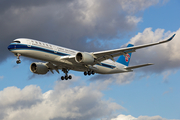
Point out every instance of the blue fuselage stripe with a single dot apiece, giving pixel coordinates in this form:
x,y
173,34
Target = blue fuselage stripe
x,y
25,47
106,65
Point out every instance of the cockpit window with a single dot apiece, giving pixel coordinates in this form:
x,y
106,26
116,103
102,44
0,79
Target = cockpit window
x,y
16,42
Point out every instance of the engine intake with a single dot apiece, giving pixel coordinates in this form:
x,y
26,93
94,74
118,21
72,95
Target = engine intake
x,y
83,57
39,68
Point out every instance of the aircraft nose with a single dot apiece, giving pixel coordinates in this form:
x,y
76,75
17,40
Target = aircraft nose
x,y
9,47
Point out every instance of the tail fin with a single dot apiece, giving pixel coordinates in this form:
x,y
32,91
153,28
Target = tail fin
x,y
125,60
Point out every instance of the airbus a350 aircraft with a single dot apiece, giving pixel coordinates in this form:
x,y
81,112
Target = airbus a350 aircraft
x,y
60,58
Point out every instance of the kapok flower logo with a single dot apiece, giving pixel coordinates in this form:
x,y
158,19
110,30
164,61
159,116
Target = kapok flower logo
x,y
127,57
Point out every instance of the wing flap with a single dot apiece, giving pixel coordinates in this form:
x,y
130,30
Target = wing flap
x,y
52,67
138,66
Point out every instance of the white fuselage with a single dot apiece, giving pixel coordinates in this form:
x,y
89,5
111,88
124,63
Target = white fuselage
x,y
55,54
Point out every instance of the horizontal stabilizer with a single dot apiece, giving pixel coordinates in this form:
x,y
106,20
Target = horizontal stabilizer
x,y
138,66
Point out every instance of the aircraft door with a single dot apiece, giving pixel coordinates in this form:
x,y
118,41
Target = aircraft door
x,y
29,43
55,49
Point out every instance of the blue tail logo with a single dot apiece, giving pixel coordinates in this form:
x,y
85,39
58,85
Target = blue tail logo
x,y
125,59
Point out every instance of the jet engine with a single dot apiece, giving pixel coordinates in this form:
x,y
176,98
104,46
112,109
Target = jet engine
x,y
84,57
39,68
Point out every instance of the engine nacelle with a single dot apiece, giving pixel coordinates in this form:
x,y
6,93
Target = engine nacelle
x,y
84,57
39,68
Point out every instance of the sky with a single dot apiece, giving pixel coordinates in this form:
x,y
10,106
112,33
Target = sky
x,y
149,93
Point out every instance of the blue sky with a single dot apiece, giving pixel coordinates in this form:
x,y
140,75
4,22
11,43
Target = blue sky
x,y
151,91
161,16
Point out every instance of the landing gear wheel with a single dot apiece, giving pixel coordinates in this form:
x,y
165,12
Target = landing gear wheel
x,y
62,78
66,77
18,61
85,73
89,72
70,77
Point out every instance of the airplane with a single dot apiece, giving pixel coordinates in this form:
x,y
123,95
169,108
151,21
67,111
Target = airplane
x,y
65,59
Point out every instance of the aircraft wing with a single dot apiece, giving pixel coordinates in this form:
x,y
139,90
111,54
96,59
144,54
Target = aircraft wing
x,y
109,54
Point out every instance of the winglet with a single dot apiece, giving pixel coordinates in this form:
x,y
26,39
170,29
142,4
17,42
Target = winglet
x,y
167,39
171,38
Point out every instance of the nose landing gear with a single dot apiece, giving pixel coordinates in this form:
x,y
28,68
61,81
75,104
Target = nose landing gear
x,y
18,58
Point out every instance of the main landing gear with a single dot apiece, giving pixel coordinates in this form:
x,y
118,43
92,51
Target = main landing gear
x,y
89,73
18,58
66,77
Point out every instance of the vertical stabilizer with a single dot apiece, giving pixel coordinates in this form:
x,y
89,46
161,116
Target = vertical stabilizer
x,y
125,59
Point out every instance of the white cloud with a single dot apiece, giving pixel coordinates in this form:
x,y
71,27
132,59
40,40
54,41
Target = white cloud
x,y
133,20
119,78
129,117
10,96
132,6
164,56
64,102
124,78
124,117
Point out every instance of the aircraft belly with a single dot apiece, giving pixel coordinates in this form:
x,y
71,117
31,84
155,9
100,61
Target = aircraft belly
x,y
105,70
